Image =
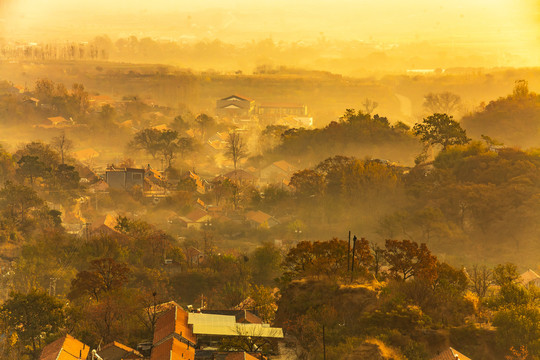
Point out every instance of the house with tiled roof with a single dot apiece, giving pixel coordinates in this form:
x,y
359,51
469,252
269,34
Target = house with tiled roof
x,y
194,256
277,172
100,100
65,348
240,176
196,218
173,338
105,225
450,354
235,106
528,278
261,219
58,121
118,351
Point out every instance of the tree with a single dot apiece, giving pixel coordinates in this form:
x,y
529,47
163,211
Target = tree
x,y
65,177
17,200
179,124
481,278
62,144
407,259
205,123
168,145
185,145
505,274
104,275
369,106
147,140
441,129
43,151
33,317
31,167
442,103
308,183
264,302
236,148
265,262
519,326
79,99
7,166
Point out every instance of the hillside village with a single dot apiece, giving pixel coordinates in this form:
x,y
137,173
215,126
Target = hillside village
x,y
144,231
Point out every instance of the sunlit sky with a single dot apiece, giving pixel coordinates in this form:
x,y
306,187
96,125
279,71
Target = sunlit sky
x,y
510,24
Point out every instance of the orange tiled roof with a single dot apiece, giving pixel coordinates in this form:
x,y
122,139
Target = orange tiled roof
x,y
173,321
57,120
172,349
65,348
258,216
240,356
196,214
451,354
283,165
118,351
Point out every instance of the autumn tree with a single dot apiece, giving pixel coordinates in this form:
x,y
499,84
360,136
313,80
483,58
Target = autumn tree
x,y
308,183
264,302
408,259
147,140
236,148
440,129
18,200
31,167
168,145
205,123
265,264
33,317
318,259
104,275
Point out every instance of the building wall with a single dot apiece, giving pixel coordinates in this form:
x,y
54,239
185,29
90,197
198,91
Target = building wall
x,y
125,179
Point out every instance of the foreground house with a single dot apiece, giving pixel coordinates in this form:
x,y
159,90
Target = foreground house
x,y
118,351
451,354
184,335
173,339
65,348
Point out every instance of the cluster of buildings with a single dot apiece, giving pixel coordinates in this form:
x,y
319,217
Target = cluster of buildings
x,y
181,335
242,108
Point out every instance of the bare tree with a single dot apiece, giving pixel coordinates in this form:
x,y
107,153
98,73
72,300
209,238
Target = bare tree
x,y
369,106
236,148
62,144
442,103
481,278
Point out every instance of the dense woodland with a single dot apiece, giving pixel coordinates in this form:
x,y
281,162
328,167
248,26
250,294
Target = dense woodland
x,y
446,214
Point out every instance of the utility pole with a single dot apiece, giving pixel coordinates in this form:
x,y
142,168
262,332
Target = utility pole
x,y
323,343
349,253
353,252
